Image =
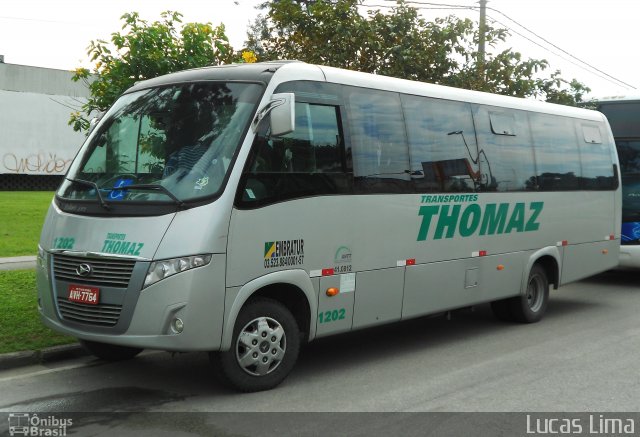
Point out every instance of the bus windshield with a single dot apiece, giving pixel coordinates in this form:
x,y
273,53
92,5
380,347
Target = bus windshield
x,y
171,144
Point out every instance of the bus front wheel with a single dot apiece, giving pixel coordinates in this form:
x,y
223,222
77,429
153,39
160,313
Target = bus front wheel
x,y
264,347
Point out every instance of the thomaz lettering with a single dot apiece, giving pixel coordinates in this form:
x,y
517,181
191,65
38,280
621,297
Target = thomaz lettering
x,y
467,220
122,247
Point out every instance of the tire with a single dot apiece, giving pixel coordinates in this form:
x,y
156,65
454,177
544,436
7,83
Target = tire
x,y
110,352
264,347
532,305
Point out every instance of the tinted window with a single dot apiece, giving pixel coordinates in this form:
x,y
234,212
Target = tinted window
x,y
180,138
442,145
591,133
629,155
623,117
306,162
596,159
506,152
556,152
502,122
312,147
380,154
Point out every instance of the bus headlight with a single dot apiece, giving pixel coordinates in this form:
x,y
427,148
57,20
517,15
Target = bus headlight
x,y
159,270
41,259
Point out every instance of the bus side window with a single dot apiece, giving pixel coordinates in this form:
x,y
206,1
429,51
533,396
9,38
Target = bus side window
x,y
442,145
556,151
506,149
596,159
378,141
306,162
629,154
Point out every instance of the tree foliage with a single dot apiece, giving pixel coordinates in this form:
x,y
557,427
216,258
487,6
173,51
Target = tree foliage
x,y
144,50
400,43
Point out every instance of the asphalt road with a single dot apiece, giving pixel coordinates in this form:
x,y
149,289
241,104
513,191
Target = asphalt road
x,y
583,356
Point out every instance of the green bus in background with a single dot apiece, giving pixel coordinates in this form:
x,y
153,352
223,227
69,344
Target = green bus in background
x,y
623,114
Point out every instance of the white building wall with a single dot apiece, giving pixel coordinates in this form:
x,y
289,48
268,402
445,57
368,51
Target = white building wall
x,y
35,106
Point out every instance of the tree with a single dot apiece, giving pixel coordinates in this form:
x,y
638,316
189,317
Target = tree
x,y
144,50
400,43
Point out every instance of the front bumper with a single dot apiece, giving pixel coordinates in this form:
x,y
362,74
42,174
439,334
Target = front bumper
x,y
195,296
629,256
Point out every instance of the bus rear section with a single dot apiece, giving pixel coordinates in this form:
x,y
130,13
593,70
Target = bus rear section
x,y
318,201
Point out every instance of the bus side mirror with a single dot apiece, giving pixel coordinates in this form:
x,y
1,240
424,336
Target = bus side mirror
x,y
283,114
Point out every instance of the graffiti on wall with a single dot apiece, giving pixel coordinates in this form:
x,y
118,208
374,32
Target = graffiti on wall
x,y
35,163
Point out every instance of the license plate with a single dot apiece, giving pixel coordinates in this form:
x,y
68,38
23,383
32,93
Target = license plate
x,y
84,294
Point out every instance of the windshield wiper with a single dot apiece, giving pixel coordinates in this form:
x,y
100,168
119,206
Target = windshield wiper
x,y
373,175
152,187
93,185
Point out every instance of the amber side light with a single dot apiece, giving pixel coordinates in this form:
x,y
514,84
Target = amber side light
x,y
332,291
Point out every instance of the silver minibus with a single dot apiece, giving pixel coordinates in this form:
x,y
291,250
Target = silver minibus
x,y
247,209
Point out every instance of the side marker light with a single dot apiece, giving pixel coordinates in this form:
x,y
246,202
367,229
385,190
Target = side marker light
x,y
332,291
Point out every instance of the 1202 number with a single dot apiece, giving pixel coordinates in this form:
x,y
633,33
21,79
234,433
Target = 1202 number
x,y
332,316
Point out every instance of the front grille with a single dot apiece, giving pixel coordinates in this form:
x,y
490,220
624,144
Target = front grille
x,y
99,315
105,272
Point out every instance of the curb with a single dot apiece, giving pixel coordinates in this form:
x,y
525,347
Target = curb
x,y
46,355
18,263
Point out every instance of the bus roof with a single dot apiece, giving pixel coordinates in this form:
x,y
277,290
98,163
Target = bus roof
x,y
296,70
449,93
257,72
615,99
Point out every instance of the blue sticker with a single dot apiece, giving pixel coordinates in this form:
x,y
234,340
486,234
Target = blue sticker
x,y
630,232
119,194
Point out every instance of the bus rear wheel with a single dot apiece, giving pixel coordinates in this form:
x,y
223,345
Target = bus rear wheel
x,y
264,347
110,352
529,307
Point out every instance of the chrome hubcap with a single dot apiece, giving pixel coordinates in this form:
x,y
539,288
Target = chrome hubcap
x,y
261,346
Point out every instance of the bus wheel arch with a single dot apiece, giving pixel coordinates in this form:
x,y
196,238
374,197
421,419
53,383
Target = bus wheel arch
x,y
293,299
265,347
292,289
543,270
530,305
551,266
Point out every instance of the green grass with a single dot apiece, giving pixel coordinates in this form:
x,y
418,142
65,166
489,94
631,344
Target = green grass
x,y
20,325
21,217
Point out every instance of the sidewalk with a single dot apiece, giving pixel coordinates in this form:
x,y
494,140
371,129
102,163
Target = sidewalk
x,y
18,263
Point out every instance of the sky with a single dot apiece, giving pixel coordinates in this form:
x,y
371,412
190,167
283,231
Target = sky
x,y
601,33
